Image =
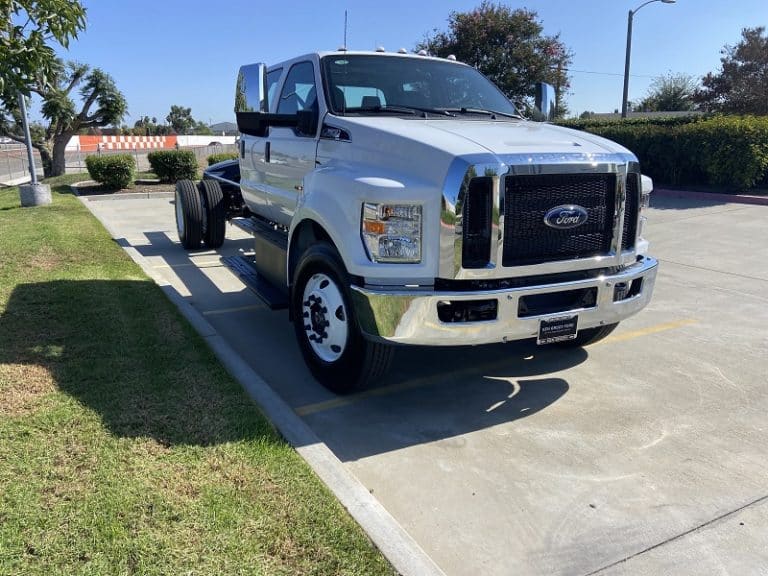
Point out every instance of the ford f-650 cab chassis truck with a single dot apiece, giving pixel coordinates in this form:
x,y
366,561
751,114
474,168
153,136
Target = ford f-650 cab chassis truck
x,y
402,199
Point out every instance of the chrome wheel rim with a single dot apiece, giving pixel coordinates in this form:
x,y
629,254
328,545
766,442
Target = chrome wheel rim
x,y
179,216
324,317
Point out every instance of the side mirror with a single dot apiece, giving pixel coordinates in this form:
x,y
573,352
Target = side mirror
x,y
252,104
545,101
307,122
251,90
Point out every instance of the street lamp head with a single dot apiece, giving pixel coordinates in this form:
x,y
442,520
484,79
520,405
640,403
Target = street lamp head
x,y
668,1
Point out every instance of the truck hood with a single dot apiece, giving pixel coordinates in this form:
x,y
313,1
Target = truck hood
x,y
499,137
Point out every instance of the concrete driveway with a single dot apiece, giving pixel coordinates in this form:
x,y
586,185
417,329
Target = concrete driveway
x,y
644,454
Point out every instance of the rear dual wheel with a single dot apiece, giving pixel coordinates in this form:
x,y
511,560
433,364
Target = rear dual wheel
x,y
201,214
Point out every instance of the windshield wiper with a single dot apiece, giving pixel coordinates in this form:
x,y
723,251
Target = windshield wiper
x,y
492,113
402,109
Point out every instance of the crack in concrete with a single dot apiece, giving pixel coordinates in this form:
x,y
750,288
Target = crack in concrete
x,y
713,270
681,535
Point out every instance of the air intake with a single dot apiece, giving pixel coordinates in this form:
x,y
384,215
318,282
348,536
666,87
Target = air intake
x,y
477,216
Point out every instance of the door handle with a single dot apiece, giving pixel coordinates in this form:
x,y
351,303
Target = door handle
x,y
266,152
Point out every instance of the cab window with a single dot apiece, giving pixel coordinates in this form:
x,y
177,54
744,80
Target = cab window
x,y
299,91
272,79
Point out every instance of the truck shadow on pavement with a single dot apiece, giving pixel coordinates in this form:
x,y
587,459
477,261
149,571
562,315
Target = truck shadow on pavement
x,y
120,349
440,395
430,394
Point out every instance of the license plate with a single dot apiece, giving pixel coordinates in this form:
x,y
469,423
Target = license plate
x,y
557,329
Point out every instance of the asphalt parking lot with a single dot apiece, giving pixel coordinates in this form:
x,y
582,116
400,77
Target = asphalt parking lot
x,y
644,454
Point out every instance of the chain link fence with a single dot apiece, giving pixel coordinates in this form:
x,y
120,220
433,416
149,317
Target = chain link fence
x,y
14,166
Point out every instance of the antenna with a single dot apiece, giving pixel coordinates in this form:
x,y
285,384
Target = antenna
x,y
345,29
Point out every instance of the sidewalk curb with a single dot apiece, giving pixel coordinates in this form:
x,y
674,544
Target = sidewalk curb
x,y
397,546
125,196
729,198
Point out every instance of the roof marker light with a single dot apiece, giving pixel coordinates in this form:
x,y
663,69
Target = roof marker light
x,y
402,51
422,52
451,57
341,49
380,49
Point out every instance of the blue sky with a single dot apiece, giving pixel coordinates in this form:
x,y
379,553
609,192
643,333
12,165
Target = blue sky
x,y
165,52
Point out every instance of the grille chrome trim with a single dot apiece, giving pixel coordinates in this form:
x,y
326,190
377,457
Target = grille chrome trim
x,y
499,167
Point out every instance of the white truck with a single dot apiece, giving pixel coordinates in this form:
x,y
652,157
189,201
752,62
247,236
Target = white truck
x,y
401,199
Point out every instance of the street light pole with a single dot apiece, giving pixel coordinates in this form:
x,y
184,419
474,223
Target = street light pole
x,y
626,65
27,138
630,18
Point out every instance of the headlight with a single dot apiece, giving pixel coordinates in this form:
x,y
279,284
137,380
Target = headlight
x,y
645,202
392,232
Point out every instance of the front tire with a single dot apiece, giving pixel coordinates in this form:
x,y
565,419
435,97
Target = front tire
x,y
189,214
335,351
589,336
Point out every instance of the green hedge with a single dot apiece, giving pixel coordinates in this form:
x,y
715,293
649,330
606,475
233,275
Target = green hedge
x,y
114,171
173,165
220,157
586,123
730,151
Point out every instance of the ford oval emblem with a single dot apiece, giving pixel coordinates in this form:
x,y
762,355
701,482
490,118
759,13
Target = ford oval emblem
x,y
567,216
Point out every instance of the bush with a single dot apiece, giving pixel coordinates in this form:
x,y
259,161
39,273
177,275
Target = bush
x,y
114,171
729,151
173,165
587,123
220,157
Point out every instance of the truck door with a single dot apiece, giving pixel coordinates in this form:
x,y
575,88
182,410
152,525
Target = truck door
x,y
254,177
292,153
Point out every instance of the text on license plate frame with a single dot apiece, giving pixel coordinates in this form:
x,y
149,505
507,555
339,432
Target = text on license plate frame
x,y
558,329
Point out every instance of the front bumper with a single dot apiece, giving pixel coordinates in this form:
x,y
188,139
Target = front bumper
x,y
410,316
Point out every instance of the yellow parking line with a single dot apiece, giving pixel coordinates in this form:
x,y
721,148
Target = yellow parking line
x,y
309,409
230,310
647,331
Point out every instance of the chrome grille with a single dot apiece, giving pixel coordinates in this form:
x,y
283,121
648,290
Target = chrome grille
x,y
527,199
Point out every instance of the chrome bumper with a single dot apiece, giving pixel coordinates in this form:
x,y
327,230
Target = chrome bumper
x,y
411,317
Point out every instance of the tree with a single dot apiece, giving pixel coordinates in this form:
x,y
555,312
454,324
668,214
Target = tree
x,y
741,85
97,88
202,129
508,46
26,27
670,93
180,119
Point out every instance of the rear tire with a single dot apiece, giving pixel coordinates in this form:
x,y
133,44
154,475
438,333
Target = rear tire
x,y
329,336
589,336
189,214
216,213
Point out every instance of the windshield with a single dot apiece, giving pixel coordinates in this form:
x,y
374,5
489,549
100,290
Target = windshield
x,y
359,84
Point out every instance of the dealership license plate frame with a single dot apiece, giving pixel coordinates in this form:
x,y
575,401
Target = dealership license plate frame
x,y
558,329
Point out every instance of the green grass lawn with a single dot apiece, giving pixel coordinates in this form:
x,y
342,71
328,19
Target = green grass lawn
x,y
125,448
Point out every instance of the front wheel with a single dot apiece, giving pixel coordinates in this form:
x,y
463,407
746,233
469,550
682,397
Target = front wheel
x,y
589,336
335,351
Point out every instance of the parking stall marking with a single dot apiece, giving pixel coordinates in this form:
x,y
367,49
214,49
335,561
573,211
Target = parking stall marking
x,y
646,331
211,264
232,310
309,409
